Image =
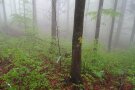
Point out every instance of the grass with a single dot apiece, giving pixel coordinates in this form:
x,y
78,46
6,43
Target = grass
x,y
27,64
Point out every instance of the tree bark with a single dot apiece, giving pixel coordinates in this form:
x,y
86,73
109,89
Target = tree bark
x,y
120,24
112,27
54,22
77,41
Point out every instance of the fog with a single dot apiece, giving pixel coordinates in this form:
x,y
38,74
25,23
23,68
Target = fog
x,y
65,19
67,44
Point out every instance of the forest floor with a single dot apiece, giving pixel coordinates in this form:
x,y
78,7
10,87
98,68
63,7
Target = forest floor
x,y
58,78
27,64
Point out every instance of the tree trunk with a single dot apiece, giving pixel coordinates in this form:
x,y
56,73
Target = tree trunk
x,y
14,3
68,8
98,22
4,12
54,22
19,2
34,14
112,27
77,41
24,14
120,23
11,7
86,11
133,33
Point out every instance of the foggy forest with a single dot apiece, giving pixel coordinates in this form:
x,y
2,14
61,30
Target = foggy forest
x,y
67,44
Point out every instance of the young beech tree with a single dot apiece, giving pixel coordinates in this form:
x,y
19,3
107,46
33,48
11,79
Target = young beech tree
x,y
120,23
24,13
19,4
4,12
54,22
132,11
68,8
98,22
11,7
14,3
133,33
77,41
87,6
34,13
112,27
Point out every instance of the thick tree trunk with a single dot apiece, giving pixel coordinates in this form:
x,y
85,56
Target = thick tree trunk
x,y
112,27
77,41
4,12
98,22
133,33
54,22
34,14
120,23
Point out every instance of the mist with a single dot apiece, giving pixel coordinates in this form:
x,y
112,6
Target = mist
x,y
65,35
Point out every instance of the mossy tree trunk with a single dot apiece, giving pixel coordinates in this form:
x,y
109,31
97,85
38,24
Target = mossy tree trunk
x,y
77,41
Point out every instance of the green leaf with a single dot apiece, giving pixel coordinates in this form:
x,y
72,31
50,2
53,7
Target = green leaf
x,y
106,12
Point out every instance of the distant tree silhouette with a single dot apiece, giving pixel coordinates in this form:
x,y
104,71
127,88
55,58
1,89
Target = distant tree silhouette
x,y
4,12
112,27
120,23
34,14
98,23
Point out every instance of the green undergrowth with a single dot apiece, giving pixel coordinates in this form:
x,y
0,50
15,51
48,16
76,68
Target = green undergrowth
x,y
27,54
116,63
25,62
